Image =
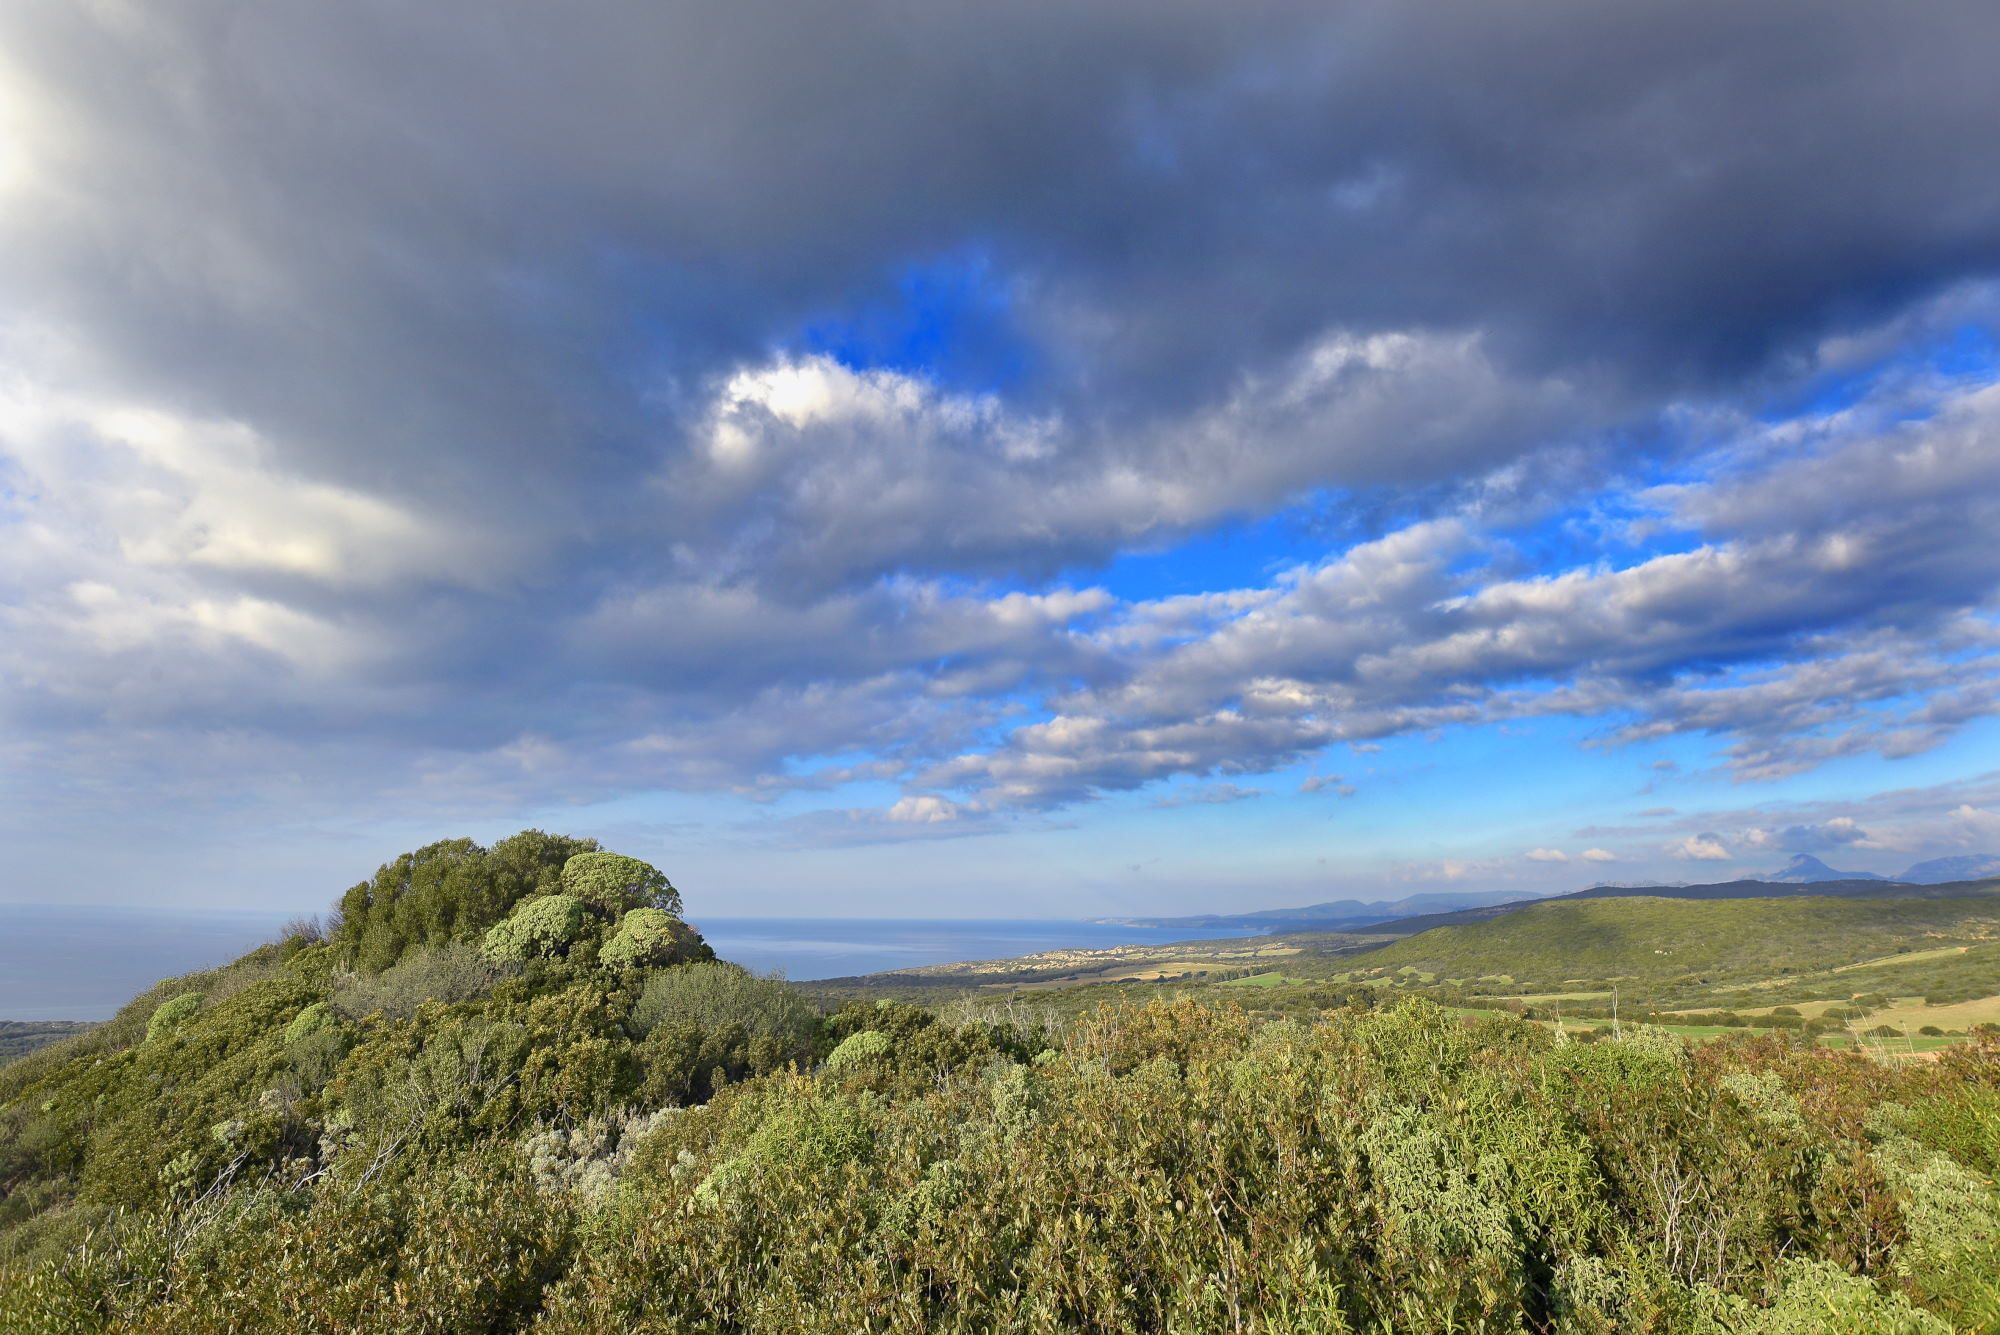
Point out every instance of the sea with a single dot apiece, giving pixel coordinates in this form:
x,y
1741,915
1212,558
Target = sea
x,y
74,963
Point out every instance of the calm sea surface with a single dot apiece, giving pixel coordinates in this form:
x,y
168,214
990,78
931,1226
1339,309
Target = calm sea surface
x,y
806,948
83,964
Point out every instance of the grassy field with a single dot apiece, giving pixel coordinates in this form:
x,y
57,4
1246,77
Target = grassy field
x,y
1912,1014
1905,957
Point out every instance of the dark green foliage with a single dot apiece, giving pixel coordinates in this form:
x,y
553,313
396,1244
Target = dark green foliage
x,y
613,884
449,891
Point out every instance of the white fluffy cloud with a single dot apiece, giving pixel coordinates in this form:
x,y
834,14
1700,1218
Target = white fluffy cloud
x,y
1785,645
1699,848
815,474
924,809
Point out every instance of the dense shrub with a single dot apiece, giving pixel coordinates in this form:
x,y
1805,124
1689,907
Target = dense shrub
x,y
612,884
453,890
859,1048
313,1019
1169,1167
452,972
714,996
648,938
537,929
168,1015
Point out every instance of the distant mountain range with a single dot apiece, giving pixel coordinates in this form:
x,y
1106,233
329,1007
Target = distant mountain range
x,y
1969,867
1349,914
1335,915
1805,869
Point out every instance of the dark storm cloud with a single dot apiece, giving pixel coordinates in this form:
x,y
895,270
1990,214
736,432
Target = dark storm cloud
x,y
432,378
462,253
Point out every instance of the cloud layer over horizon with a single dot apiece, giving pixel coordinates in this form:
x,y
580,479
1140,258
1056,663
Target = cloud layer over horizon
x,y
792,432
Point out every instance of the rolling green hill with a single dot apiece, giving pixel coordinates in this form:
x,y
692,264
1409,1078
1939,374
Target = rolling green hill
x,y
1709,942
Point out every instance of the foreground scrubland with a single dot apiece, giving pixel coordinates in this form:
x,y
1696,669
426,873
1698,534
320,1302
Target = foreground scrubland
x,y
427,1120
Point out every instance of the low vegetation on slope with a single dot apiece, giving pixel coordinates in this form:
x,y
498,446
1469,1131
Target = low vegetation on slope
x,y
1704,942
421,1123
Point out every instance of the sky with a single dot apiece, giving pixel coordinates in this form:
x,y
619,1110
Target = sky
x,y
1045,459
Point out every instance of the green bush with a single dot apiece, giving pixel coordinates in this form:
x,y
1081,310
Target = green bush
x,y
312,1020
613,884
1819,1298
169,1014
537,929
452,972
647,938
858,1049
714,996
453,890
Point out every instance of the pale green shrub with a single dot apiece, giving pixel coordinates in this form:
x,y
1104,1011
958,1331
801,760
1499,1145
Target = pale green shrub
x,y
714,996
1764,1096
858,1048
168,1015
1952,1218
310,1021
536,929
452,972
645,938
1819,1298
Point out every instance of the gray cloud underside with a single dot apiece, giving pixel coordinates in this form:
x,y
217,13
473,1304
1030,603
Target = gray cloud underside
x,y
406,400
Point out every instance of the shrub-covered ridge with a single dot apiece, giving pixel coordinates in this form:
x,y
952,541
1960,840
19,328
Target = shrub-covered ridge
x,y
452,1142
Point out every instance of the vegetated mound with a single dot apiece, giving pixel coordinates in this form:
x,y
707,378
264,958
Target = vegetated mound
x,y
1746,889
1836,889
1654,939
505,1093
1422,912
446,973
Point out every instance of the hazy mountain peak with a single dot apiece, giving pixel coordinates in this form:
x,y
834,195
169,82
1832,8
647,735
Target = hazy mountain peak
x,y
1964,867
1804,869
